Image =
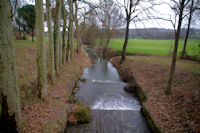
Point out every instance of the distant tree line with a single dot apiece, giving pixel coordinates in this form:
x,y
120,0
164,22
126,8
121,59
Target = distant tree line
x,y
157,33
25,20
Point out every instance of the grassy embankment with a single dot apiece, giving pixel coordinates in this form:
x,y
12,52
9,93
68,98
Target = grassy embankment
x,y
155,47
39,116
179,111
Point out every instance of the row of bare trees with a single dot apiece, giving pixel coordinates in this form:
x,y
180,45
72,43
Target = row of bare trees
x,y
138,11
102,16
60,51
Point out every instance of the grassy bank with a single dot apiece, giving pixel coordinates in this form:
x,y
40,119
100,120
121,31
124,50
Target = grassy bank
x,y
37,115
155,47
178,112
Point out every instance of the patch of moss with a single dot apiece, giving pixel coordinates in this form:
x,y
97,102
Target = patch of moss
x,y
83,80
76,101
76,85
141,94
150,121
82,114
166,119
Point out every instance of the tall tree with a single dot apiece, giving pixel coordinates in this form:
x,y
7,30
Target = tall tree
x,y
110,18
129,10
81,12
10,108
17,20
50,39
188,28
179,8
135,11
57,34
70,49
77,27
60,50
41,53
64,15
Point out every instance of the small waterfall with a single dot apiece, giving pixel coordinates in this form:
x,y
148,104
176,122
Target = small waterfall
x,y
116,103
113,109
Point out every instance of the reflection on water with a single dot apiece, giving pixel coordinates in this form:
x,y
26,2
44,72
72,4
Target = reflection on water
x,y
113,109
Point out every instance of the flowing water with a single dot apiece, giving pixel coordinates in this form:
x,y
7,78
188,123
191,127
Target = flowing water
x,y
113,109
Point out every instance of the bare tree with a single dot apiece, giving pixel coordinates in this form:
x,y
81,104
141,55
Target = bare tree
x,y
129,7
57,35
111,18
193,7
77,26
178,9
41,52
64,15
10,108
80,16
50,39
70,49
135,11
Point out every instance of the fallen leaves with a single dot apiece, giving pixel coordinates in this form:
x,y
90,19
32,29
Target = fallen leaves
x,y
176,113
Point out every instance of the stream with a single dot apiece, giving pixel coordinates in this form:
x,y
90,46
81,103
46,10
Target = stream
x,y
113,109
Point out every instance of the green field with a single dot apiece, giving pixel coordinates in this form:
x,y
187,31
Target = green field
x,y
155,47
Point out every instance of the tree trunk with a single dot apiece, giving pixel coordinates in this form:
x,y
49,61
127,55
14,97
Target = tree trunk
x,y
50,39
20,35
177,36
64,52
77,28
107,42
57,34
101,38
60,50
32,34
24,32
10,108
70,51
126,39
41,53
188,30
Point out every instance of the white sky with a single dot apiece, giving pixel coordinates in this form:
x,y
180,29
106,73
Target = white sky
x,y
163,11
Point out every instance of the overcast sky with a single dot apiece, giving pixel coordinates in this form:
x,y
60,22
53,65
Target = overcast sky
x,y
163,11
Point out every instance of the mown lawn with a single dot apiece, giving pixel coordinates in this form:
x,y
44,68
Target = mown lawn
x,y
155,47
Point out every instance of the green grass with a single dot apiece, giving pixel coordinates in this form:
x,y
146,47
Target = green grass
x,y
23,43
82,114
166,61
29,43
155,47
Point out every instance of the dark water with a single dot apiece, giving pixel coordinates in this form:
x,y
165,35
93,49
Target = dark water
x,y
113,109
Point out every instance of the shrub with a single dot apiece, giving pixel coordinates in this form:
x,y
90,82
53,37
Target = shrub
x,y
82,114
76,85
73,92
76,101
84,80
24,38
